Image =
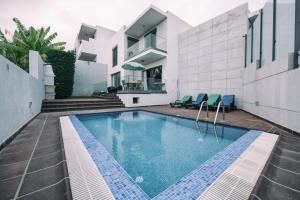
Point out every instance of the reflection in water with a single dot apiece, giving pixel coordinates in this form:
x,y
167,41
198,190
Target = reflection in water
x,y
115,146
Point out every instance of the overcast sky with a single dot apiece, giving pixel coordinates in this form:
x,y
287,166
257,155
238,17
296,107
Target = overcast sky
x,y
65,16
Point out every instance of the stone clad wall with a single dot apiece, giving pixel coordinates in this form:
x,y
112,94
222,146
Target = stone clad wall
x,y
211,55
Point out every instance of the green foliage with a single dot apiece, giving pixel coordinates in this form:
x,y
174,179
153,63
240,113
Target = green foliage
x,y
63,64
24,40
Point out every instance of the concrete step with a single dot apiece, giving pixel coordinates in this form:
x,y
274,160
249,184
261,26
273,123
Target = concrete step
x,y
57,105
93,107
81,101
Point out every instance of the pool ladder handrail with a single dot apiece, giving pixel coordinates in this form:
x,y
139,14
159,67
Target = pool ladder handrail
x,y
201,106
216,116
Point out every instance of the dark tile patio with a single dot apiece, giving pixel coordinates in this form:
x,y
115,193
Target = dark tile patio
x,y
33,165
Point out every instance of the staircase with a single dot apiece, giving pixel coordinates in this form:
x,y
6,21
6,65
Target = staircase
x,y
101,102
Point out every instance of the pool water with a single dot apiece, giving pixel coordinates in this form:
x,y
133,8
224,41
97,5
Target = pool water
x,y
158,150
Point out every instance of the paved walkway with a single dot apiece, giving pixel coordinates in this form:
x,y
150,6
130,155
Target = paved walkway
x,y
33,165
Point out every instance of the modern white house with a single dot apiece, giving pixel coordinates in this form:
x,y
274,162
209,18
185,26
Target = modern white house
x,y
151,40
251,55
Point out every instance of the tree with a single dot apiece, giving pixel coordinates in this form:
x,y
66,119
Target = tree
x,y
24,40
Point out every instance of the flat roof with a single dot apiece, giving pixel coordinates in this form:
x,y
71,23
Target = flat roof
x,y
146,21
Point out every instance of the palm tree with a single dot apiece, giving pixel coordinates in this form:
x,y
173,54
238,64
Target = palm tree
x,y
24,40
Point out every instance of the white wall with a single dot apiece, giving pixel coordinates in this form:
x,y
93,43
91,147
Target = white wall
x,y
103,35
21,94
117,40
211,55
89,77
175,26
272,92
145,99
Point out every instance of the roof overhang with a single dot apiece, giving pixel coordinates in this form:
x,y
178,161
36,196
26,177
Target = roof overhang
x,y
87,57
86,32
145,22
147,57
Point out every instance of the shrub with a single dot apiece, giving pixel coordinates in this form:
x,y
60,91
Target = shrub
x,y
63,64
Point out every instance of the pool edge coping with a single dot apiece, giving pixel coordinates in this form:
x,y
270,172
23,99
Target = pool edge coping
x,y
107,187
83,182
236,170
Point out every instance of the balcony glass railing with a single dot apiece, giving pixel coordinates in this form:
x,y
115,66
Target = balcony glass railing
x,y
152,41
137,83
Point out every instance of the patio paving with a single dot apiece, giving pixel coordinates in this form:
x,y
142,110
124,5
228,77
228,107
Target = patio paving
x,y
33,165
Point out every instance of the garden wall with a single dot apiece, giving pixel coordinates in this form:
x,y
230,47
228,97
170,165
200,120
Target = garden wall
x,y
21,94
89,78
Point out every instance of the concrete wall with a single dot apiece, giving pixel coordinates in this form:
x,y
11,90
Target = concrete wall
x,y
89,77
211,55
272,92
21,94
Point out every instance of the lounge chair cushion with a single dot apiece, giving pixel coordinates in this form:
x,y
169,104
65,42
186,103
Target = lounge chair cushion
x,y
200,98
184,100
228,100
213,99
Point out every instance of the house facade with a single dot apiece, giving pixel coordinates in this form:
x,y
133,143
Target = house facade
x,y
251,55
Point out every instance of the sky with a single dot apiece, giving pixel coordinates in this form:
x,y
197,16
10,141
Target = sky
x,y
66,16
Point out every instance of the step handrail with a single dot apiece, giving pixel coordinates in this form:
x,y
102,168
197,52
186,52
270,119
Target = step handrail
x,y
201,106
216,116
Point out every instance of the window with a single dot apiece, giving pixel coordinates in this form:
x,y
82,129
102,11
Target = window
x,y
131,41
135,100
245,64
297,33
115,56
116,79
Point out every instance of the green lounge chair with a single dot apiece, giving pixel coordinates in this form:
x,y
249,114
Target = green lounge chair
x,y
213,100
184,100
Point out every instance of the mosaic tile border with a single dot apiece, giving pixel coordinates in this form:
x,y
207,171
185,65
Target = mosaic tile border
x,y
189,187
120,183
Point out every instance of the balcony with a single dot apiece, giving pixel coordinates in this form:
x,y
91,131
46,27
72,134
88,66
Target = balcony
x,y
150,49
87,50
138,84
86,32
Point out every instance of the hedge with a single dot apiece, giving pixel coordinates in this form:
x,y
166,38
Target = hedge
x,y
63,64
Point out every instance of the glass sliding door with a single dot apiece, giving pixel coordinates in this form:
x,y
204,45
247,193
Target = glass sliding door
x,y
154,78
150,39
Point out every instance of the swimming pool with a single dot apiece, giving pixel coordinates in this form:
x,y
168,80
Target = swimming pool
x,y
156,151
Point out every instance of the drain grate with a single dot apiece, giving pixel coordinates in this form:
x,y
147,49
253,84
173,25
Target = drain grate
x,y
237,182
230,187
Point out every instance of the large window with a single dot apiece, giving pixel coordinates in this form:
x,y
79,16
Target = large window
x,y
116,79
115,56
